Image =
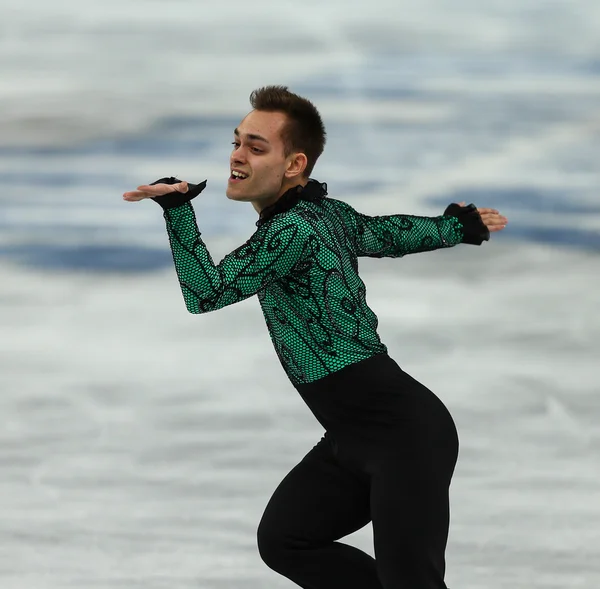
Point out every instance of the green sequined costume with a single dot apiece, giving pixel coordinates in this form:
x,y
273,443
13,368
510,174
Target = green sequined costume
x,y
302,263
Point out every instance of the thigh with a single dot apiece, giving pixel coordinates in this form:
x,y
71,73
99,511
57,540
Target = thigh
x,y
411,516
317,503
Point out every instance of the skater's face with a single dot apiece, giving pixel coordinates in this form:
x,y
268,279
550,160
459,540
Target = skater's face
x,y
259,155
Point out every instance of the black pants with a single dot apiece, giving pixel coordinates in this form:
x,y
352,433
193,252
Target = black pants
x,y
387,456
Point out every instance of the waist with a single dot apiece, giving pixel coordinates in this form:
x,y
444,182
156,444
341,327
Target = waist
x,y
376,371
374,392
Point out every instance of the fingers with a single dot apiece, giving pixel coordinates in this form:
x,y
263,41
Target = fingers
x,y
160,189
156,189
151,190
136,195
493,218
494,221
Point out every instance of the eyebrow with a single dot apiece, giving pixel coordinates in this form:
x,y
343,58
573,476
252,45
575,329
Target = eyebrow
x,y
251,136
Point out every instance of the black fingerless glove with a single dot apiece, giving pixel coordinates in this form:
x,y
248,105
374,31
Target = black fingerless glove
x,y
475,232
176,199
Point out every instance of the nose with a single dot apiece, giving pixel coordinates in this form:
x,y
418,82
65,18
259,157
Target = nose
x,y
238,155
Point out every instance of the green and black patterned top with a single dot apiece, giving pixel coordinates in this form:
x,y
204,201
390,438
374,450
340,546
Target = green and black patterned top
x,y
302,263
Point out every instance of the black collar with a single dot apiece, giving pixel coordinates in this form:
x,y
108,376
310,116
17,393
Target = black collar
x,y
314,191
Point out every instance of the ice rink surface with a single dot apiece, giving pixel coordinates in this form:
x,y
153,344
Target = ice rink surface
x,y
139,444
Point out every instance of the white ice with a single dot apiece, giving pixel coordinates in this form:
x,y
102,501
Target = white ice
x,y
139,444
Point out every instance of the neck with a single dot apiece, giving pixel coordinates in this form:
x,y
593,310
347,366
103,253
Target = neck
x,y
301,181
261,205
309,190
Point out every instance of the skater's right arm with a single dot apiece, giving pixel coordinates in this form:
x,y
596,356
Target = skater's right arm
x,y
271,253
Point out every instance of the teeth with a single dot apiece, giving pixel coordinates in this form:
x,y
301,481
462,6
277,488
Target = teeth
x,y
238,175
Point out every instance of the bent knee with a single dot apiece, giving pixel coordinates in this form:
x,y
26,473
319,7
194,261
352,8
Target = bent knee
x,y
277,548
270,544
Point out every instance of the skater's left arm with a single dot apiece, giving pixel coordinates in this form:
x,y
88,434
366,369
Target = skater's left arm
x,y
399,235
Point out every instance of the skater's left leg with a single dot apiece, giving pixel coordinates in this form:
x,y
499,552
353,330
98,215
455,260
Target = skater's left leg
x,y
411,516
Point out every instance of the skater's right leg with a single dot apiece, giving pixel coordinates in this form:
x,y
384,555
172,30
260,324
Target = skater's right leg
x,y
315,505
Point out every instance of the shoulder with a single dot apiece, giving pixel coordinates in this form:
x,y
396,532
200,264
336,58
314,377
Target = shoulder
x,y
289,226
339,205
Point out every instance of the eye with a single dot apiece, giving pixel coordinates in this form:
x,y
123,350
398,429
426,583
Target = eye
x,y
236,144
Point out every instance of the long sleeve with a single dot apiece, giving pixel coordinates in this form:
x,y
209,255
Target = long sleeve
x,y
268,255
397,235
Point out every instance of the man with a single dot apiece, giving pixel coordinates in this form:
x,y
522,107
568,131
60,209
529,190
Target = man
x,y
390,445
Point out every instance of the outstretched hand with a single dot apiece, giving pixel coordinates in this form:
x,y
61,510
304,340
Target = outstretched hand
x,y
491,218
152,190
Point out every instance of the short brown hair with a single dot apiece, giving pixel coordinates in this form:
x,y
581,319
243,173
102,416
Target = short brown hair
x,y
304,131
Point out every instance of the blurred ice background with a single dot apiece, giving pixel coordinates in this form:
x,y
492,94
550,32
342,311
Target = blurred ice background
x,y
139,444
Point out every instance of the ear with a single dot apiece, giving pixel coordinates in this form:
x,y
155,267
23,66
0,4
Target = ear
x,y
297,163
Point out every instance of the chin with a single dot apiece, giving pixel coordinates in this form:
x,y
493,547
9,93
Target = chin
x,y
237,192
231,196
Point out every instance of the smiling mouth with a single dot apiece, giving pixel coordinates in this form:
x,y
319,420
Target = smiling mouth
x,y
237,176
